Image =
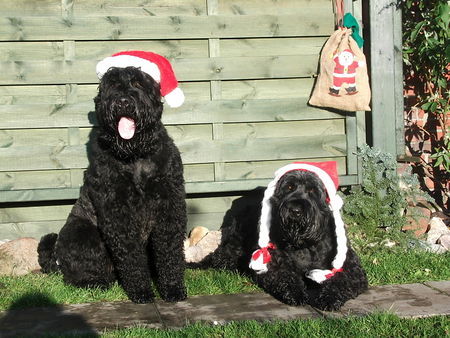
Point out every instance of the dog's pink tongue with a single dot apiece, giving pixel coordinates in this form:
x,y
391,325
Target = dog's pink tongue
x,y
126,128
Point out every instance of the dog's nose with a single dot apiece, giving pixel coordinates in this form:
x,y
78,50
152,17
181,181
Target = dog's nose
x,y
295,209
124,103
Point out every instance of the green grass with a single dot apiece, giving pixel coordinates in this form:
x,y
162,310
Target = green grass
x,y
45,290
400,266
383,266
376,325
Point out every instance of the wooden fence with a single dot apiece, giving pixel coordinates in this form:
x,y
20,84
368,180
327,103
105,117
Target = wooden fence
x,y
247,68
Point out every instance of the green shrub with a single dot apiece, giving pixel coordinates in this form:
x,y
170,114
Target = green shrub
x,y
375,210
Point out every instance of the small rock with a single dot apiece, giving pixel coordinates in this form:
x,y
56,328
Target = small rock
x,y
19,257
437,229
205,246
388,243
436,248
444,240
197,234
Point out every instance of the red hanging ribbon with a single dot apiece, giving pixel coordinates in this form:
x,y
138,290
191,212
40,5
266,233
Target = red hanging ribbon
x,y
264,252
333,272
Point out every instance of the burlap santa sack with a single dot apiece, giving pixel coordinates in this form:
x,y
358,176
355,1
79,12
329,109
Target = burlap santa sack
x,y
343,82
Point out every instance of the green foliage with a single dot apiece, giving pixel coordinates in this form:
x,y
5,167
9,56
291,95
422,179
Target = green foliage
x,y
426,56
442,154
375,210
375,325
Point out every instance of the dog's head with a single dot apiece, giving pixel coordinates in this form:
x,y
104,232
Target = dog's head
x,y
299,208
128,109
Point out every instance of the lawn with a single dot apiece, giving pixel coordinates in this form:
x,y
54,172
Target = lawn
x,y
376,325
383,266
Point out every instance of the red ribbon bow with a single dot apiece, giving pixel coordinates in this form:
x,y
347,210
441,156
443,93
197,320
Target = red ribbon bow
x,y
333,272
264,252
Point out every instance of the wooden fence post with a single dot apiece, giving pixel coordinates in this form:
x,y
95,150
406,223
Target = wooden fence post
x,y
386,76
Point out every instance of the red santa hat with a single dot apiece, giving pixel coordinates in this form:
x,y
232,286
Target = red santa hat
x,y
327,173
155,65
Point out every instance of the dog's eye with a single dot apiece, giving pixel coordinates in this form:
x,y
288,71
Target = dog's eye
x,y
136,84
290,187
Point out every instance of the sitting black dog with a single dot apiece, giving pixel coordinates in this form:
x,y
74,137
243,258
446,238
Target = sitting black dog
x,y
303,256
129,222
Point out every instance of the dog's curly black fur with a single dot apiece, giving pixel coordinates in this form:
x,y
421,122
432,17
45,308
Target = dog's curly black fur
x,y
129,222
303,232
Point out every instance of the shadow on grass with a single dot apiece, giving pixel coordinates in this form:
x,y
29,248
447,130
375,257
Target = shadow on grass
x,y
37,314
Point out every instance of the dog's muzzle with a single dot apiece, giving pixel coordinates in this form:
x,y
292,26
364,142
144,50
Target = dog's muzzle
x,y
294,210
126,125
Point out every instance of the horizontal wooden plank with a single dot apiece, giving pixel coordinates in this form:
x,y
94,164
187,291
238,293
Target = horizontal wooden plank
x,y
171,49
194,92
245,7
29,229
188,69
35,179
283,129
267,89
105,7
271,47
139,7
11,231
73,178
29,28
191,188
60,212
65,156
13,138
74,93
265,169
156,7
226,111
92,50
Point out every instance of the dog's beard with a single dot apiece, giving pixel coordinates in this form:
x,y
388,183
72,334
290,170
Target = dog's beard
x,y
300,220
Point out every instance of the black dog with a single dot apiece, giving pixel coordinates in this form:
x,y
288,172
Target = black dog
x,y
303,258
129,222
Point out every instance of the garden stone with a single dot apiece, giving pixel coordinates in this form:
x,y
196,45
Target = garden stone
x,y
436,248
19,257
444,240
203,247
437,229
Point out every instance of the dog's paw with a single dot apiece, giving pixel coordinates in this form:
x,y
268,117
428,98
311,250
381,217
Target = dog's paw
x,y
141,297
327,303
174,294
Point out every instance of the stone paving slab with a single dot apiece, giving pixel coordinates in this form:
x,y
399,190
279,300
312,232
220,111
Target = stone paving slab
x,y
442,286
221,309
408,301
78,318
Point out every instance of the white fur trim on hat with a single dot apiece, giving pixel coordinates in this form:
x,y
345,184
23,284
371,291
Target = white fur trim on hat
x,y
335,204
123,61
175,98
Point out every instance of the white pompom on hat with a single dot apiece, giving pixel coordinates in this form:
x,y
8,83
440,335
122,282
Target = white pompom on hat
x,y
155,65
327,173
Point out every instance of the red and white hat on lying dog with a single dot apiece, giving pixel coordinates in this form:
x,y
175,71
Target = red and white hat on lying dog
x,y
155,65
327,173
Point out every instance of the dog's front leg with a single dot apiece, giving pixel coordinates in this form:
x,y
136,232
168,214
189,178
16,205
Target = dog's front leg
x,y
282,280
128,252
167,245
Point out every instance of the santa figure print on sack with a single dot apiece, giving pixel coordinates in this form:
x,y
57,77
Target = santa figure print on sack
x,y
345,72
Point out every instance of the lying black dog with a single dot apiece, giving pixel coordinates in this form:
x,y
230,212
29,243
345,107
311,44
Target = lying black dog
x,y
304,256
129,222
